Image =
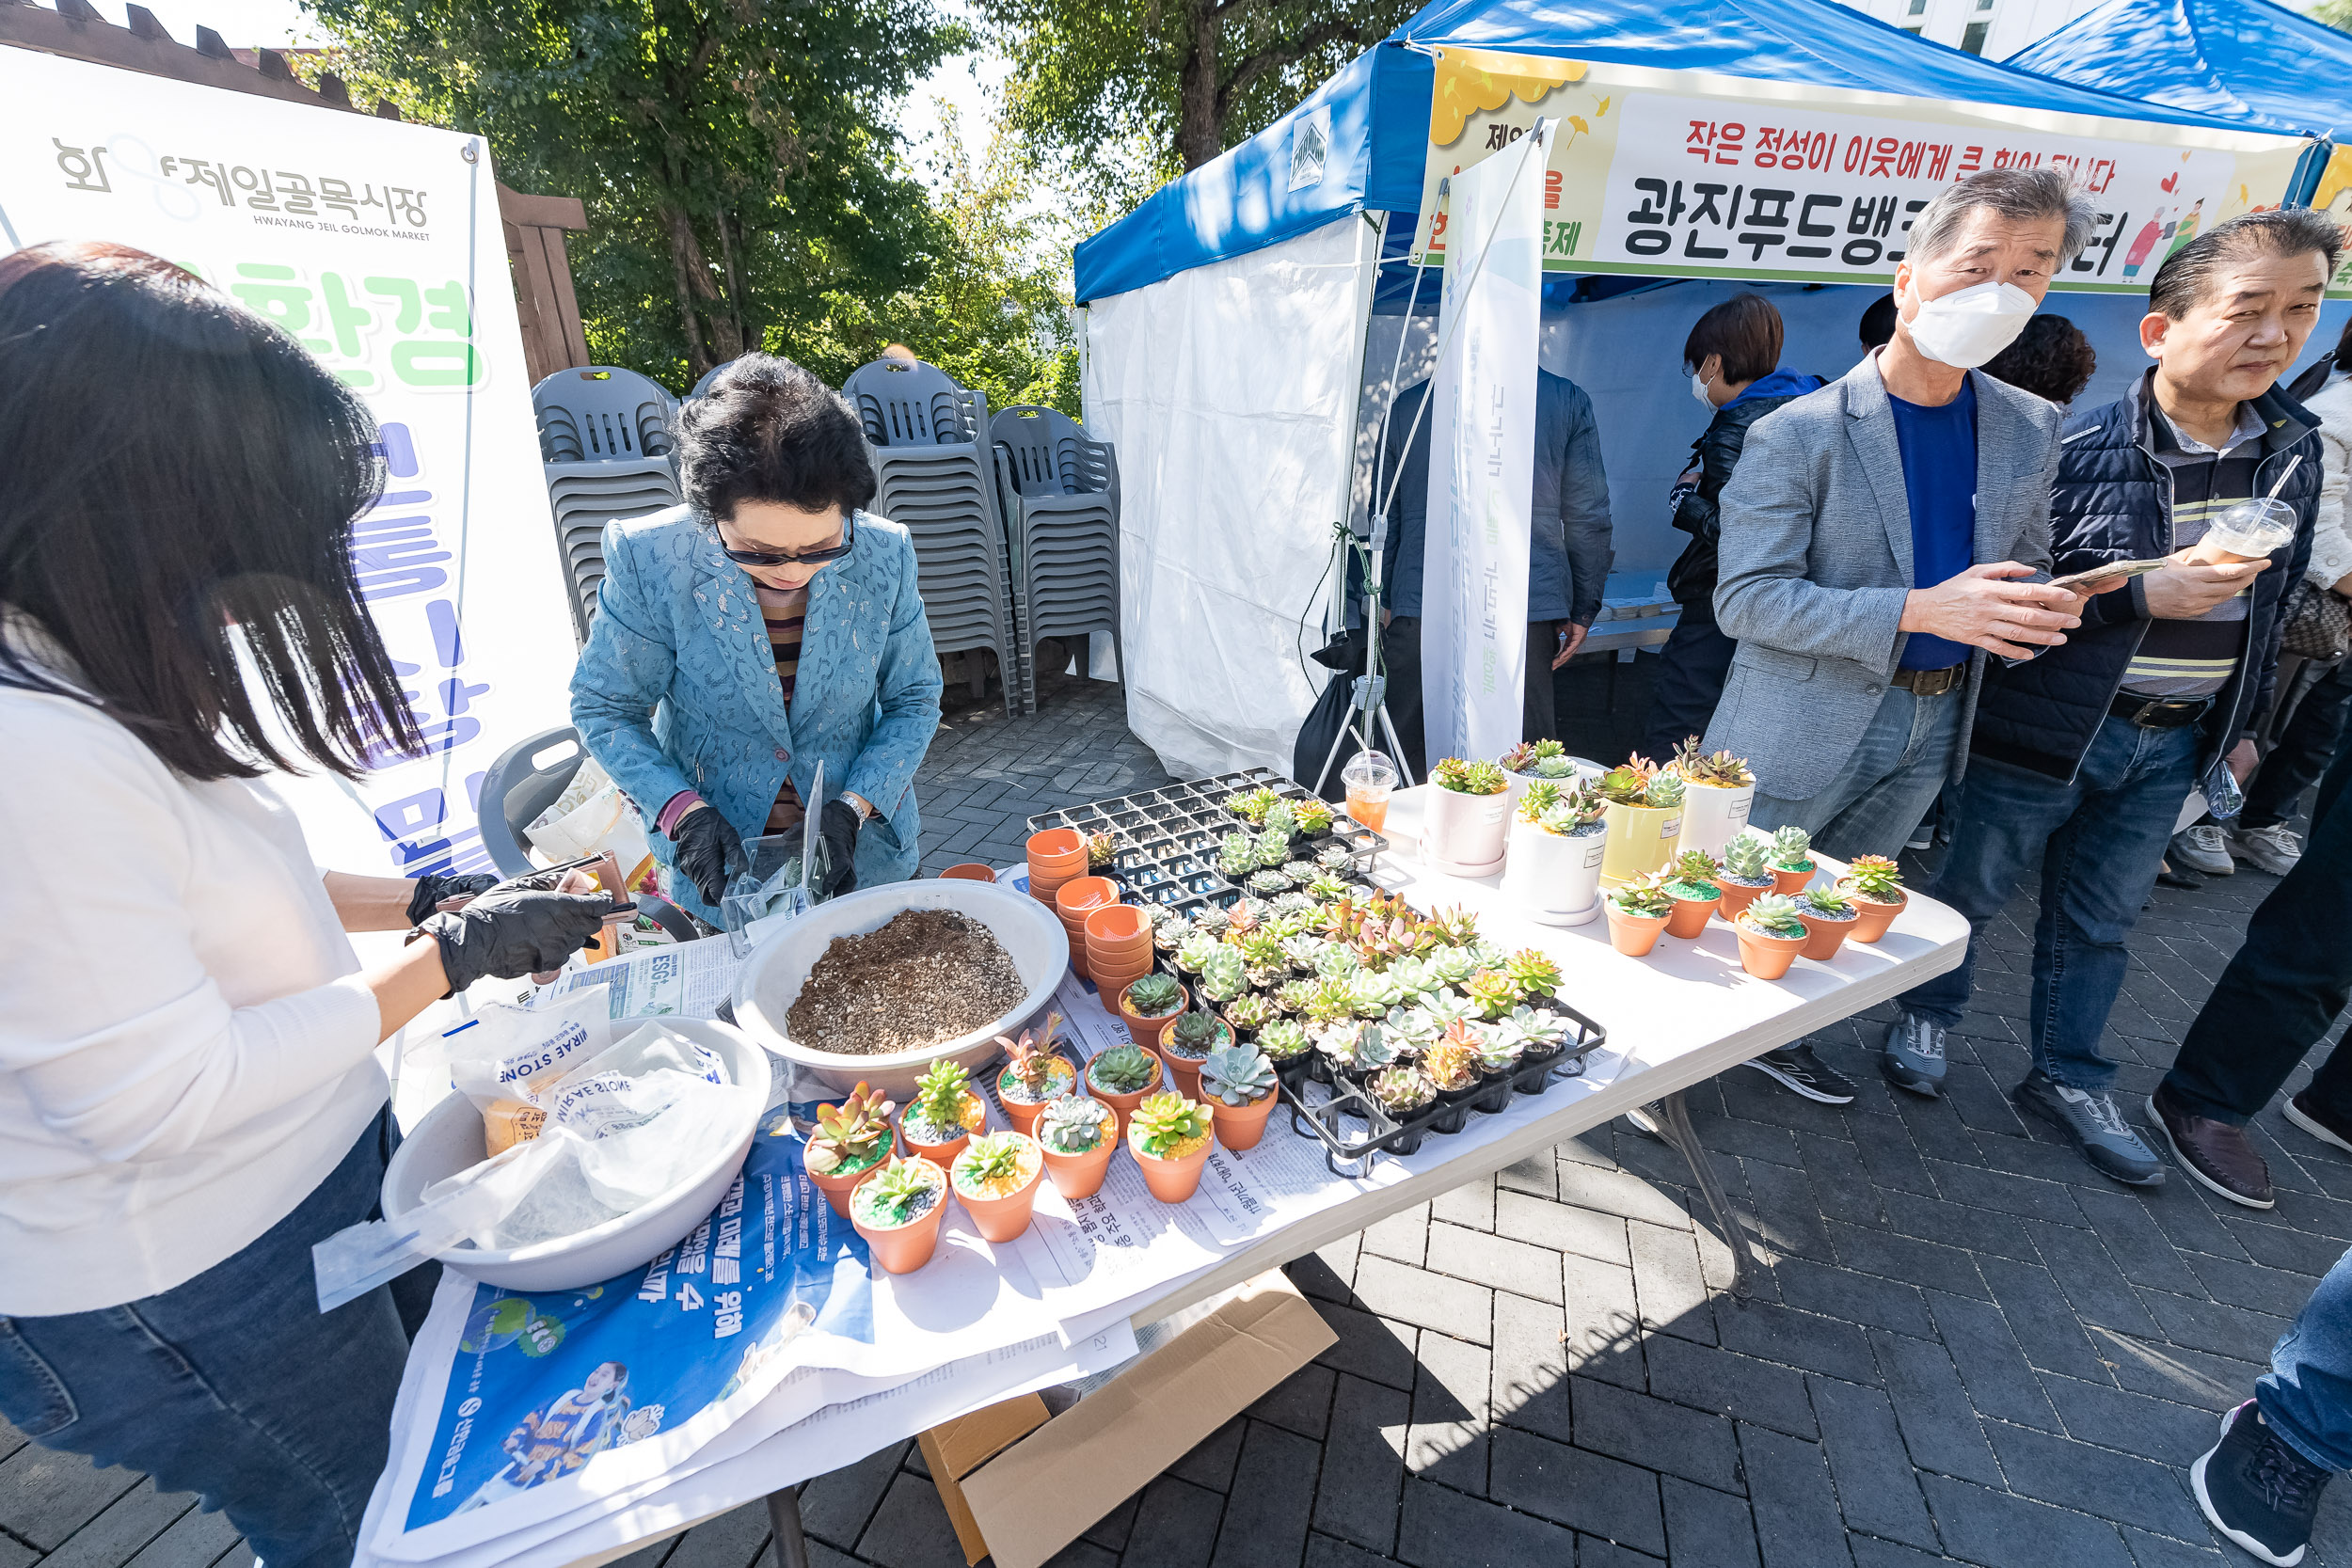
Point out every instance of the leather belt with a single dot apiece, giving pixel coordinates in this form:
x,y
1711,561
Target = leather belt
x,y
2160,713
1932,683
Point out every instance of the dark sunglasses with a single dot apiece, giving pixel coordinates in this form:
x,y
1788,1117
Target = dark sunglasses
x,y
803,558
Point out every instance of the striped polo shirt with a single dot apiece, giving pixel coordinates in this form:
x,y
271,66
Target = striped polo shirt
x,y
2196,659
786,611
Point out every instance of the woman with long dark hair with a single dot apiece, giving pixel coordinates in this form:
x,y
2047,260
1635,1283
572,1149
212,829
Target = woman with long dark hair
x,y
189,1097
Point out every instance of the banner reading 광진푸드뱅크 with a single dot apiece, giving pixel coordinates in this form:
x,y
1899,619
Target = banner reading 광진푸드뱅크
x,y
376,244
1689,174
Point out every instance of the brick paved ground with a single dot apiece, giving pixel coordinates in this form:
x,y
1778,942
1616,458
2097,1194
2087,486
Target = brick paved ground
x,y
1966,1347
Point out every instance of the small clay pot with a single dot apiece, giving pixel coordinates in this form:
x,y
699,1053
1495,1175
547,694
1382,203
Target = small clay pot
x,y
1054,847
1240,1127
904,1248
944,1155
1007,1215
839,1186
1079,896
1118,932
1825,935
1766,955
1739,896
1634,935
1144,1031
1021,1112
1123,1105
1186,1070
1077,1176
1171,1181
1875,917
1791,883
970,871
1690,915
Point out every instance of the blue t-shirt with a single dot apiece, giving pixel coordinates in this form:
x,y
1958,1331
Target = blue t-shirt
x,y
1939,448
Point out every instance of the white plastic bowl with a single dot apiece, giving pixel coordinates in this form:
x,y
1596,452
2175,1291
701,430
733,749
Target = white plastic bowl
x,y
449,1139
770,979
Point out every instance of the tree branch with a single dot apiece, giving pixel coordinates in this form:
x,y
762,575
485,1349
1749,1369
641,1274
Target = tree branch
x,y
1275,56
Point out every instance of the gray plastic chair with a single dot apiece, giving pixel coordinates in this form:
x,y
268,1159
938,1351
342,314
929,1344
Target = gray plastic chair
x,y
1060,492
586,496
602,414
915,405
526,780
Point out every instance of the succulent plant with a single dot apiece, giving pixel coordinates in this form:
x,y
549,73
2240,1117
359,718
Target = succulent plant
x,y
1453,1062
1576,806
1536,973
1237,1075
1413,1029
1537,1029
1281,818
1411,976
1666,790
1164,1123
1331,999
1248,1013
1211,921
1033,1065
1301,872
1294,996
1251,805
1163,915
1455,927
1196,950
1238,856
1073,1124
1468,778
1295,905
1156,996
1246,916
1793,850
1773,912
1402,1090
1827,901
1314,816
1222,976
1722,771
1260,948
1302,951
939,1096
850,1135
1693,875
1499,1046
1553,768
1644,896
1123,1068
1336,962
1283,1040
1268,884
1369,1048
1493,992
1875,878
1452,966
1101,849
1446,1009
1336,855
1540,796
1523,757
991,1161
1273,849
1169,937
1194,1034
1629,785
901,1191
1370,993
1744,858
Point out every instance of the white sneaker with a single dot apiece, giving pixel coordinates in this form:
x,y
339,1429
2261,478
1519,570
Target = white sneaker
x,y
2273,848
2203,848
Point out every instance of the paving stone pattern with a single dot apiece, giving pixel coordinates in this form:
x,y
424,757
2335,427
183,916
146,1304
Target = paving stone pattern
x,y
1966,1346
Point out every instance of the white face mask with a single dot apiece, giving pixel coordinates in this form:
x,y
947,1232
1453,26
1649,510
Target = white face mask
x,y
1698,391
1970,325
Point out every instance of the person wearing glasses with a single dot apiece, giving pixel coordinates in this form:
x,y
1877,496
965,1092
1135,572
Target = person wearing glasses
x,y
765,627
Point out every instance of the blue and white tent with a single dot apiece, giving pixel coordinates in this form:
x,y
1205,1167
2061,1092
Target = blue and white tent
x,y
1240,325
2243,61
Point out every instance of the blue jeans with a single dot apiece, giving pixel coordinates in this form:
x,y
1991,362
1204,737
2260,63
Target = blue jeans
x,y
2100,839
1875,800
234,1385
2306,1396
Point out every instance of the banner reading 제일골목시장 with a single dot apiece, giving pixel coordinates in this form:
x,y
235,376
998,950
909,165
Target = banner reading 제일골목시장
x,y
376,244
1688,174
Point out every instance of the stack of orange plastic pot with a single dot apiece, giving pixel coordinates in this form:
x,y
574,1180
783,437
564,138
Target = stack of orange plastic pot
x,y
1056,855
1073,901
1118,950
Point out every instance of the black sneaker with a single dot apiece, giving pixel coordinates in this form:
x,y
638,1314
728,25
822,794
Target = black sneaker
x,y
2307,1114
2256,1490
1795,1068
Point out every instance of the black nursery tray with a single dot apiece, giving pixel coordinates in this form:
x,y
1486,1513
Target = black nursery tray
x,y
1352,1127
1168,839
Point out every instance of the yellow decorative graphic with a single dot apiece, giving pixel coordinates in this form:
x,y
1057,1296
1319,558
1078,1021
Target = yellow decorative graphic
x,y
2336,180
1471,81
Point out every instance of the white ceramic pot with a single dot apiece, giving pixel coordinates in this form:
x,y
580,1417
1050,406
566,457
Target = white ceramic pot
x,y
1462,834
1712,817
1555,880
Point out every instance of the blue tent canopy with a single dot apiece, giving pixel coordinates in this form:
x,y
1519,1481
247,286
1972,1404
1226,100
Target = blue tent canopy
x,y
2244,60
1247,198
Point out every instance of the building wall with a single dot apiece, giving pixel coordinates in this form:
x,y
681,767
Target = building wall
x,y
1993,28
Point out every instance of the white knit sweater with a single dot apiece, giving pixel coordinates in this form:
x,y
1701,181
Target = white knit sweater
x,y
2331,541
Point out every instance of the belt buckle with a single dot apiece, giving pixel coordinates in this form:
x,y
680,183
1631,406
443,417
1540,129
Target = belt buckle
x,y
1934,683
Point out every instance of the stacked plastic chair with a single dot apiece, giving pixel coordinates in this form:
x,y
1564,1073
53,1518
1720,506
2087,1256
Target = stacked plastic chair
x,y
605,441
1061,506
935,474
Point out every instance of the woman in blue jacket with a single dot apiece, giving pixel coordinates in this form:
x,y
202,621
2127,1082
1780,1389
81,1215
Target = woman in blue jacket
x,y
766,626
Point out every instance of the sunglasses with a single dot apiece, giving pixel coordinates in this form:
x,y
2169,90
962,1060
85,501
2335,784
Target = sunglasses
x,y
800,558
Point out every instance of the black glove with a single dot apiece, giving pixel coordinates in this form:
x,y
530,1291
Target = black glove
x,y
708,848
425,898
511,932
838,825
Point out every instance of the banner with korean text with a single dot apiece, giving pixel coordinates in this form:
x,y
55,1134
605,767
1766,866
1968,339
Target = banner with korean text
x,y
1481,473
1687,174
377,244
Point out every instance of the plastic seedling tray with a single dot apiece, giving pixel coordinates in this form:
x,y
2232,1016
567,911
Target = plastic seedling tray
x,y
1181,826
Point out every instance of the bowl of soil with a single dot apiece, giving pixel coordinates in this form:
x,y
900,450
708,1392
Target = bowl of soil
x,y
880,983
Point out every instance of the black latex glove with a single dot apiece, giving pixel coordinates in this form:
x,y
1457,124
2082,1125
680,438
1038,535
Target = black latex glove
x,y
432,888
708,845
838,825
511,932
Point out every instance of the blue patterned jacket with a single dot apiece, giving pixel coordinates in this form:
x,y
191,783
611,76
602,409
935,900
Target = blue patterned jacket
x,y
678,688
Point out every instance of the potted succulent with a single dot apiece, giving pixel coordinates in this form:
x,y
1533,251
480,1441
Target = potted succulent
x,y
1251,805
1102,849
1034,1073
1828,915
1247,1013
1501,1045
996,1177
1356,1051
1237,857
1637,913
898,1208
1403,1091
1197,948
1185,1043
943,1115
1557,839
1121,1076
1696,894
1644,814
1531,760
1285,1043
1223,977
1451,1064
1791,860
1875,884
1771,935
1168,1136
1078,1137
1314,817
1169,930
1467,814
1149,1004
1744,872
1541,1033
849,1140
1237,1084
1720,791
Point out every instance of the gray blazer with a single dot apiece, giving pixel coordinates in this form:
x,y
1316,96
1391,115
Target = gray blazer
x,y
1817,561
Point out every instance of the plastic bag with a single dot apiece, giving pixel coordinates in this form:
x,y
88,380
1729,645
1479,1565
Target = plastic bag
x,y
501,1058
592,818
358,1257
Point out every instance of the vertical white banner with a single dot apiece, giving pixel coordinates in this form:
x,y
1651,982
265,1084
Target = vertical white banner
x,y
1482,469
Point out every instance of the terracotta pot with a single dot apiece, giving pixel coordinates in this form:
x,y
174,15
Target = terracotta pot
x,y
1690,915
1042,889
1765,955
1876,917
1739,896
1119,927
944,1155
1172,1181
1824,936
1186,1070
1789,882
1002,1218
1634,935
1023,1115
1123,1105
1075,899
1240,1127
1054,845
1077,1176
1144,1031
904,1248
840,1184
970,871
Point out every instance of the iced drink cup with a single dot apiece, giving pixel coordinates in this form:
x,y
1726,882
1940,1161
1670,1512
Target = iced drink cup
x,y
1369,776
2249,530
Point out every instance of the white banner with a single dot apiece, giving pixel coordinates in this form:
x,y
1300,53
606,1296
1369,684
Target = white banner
x,y
377,244
1482,471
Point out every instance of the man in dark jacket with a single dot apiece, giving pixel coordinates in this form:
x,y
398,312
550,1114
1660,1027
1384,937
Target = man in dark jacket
x,y
1733,359
2084,756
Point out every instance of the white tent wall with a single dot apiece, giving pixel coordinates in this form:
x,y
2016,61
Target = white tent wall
x,y
1230,391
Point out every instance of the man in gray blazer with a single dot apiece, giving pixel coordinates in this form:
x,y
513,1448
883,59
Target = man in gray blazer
x,y
1886,532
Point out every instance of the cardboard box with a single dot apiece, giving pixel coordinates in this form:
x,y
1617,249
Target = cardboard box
x,y
1003,1472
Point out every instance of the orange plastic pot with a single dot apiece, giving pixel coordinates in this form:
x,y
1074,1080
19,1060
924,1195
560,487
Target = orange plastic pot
x,y
1005,1215
1690,915
1824,936
1790,882
970,871
1144,1031
1875,917
1240,1127
1023,1115
1765,955
839,1186
1123,1105
944,1154
1075,899
1119,928
1054,846
1077,1176
904,1248
1187,1069
1171,1181
1738,896
1634,935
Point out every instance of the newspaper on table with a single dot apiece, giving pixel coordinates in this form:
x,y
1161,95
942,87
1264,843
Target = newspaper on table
x,y
690,979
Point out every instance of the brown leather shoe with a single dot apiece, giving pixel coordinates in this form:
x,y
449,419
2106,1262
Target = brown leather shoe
x,y
2214,1154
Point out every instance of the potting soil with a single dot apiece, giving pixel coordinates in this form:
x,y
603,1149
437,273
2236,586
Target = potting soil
x,y
928,975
